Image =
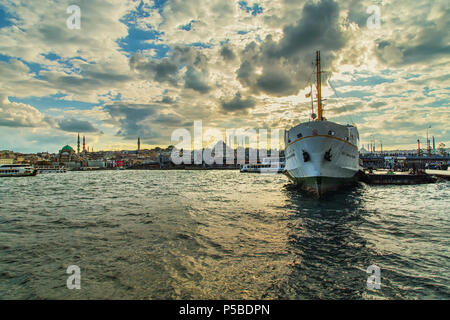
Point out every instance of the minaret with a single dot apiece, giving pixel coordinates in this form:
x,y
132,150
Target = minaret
x,y
84,144
78,144
139,144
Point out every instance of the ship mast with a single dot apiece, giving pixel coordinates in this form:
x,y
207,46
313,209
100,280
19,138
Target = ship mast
x,y
319,88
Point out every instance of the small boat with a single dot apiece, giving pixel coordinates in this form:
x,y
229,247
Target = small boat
x,y
51,170
268,165
17,170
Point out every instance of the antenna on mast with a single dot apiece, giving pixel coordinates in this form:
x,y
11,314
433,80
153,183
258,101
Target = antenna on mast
x,y
319,88
313,115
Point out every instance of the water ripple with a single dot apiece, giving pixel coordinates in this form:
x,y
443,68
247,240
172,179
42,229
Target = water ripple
x,y
218,235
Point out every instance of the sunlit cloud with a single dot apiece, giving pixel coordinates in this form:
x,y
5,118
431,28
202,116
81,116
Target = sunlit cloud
x,y
145,68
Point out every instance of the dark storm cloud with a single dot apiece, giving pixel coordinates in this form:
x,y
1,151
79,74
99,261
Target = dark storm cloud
x,y
227,53
357,12
196,76
168,69
275,82
167,100
74,125
189,56
133,119
430,40
245,73
238,104
169,119
89,80
196,80
319,27
285,66
162,70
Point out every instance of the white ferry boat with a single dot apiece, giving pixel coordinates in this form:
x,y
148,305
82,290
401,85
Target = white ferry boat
x,y
268,165
17,170
51,170
321,156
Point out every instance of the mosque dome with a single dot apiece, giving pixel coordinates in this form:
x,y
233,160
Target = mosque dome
x,y
67,148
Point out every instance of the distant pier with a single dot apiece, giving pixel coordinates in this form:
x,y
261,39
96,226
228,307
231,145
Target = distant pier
x,y
397,178
403,169
442,174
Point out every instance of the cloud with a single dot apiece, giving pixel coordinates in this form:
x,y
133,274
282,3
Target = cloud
x,y
13,114
196,80
230,59
167,100
41,27
238,104
74,125
132,119
169,69
227,53
274,82
169,119
281,68
318,28
417,39
88,81
160,70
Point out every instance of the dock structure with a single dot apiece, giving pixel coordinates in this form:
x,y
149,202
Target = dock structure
x,y
409,161
396,178
442,174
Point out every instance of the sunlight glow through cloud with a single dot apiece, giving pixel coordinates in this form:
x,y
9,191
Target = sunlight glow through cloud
x,y
148,67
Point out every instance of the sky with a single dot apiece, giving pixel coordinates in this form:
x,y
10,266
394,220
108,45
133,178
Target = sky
x,y
138,68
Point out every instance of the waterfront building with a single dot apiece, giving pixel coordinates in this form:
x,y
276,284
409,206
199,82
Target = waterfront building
x,y
96,164
6,161
72,165
6,154
66,154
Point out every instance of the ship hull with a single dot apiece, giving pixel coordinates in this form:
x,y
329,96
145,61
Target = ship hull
x,y
22,174
322,156
320,186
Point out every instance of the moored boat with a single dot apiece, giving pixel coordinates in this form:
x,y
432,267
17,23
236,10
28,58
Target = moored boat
x,y
17,170
268,165
321,156
51,170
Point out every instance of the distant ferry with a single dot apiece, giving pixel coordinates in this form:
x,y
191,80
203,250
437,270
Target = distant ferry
x,y
51,170
17,170
268,165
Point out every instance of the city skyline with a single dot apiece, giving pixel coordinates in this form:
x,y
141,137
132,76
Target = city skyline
x,y
146,68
